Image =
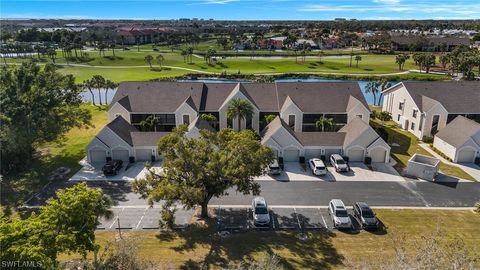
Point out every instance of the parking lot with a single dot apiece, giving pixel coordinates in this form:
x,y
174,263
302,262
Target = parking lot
x,y
227,219
128,172
293,171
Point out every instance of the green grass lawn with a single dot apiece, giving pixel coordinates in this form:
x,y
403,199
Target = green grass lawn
x,y
66,153
197,246
371,64
408,146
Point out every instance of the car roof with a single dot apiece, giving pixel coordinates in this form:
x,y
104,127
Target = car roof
x,y
315,160
338,203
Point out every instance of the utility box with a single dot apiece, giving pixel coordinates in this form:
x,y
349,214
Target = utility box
x,y
423,167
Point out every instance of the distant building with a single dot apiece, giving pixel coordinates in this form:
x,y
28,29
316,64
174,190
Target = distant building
x,y
132,36
428,43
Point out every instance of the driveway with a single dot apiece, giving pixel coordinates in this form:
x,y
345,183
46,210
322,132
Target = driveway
x,y
93,172
293,171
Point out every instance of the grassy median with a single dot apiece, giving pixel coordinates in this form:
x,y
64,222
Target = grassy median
x,y
403,228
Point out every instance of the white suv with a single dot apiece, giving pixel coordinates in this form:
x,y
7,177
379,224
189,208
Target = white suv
x,y
317,166
339,214
261,216
339,163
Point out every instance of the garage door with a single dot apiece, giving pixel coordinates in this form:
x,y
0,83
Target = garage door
x,y
120,154
143,154
312,153
355,155
466,156
290,155
378,154
98,156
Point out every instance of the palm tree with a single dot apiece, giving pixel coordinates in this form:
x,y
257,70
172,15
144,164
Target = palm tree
x,y
160,60
184,54
400,59
150,123
109,85
98,82
371,88
240,109
383,84
148,59
358,58
320,55
87,84
190,54
325,123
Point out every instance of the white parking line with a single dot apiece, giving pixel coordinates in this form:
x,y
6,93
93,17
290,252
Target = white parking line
x,y
140,221
115,219
324,223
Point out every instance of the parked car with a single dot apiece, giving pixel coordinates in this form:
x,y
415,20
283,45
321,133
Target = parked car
x,y
261,216
365,216
274,168
339,163
339,214
112,167
317,166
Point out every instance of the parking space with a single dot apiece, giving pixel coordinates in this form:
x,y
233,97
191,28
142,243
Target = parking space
x,y
233,218
294,171
128,172
142,218
285,219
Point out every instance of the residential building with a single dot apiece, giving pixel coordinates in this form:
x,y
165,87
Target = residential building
x,y
428,43
424,108
459,140
293,133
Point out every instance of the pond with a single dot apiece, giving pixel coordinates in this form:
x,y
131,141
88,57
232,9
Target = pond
x,y
368,97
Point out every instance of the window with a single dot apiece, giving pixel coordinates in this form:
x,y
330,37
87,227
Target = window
x,y
401,105
249,123
398,117
421,123
435,121
291,121
414,114
412,126
186,119
360,116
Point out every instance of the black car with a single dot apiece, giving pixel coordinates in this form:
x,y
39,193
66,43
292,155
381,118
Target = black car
x,y
112,167
365,216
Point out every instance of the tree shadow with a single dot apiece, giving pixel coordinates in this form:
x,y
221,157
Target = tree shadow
x,y
316,251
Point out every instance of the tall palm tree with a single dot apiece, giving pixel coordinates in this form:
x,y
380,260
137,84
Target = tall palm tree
x,y
324,123
150,123
98,82
371,88
358,58
109,85
240,109
148,58
87,84
160,60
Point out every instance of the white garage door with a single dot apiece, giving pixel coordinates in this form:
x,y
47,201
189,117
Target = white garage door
x,y
312,153
120,154
466,156
143,154
355,155
290,155
98,156
378,154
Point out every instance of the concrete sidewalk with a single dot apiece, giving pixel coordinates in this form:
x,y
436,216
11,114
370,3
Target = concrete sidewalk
x,y
469,168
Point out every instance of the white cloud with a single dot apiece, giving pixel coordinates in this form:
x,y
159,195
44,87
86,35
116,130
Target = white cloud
x,y
387,1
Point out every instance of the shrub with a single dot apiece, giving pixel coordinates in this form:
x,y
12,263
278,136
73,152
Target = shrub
x,y
477,207
427,139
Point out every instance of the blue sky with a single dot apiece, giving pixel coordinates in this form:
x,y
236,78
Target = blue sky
x,y
241,9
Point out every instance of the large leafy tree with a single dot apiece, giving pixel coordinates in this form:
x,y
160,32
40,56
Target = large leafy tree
x,y
239,109
65,224
37,105
198,169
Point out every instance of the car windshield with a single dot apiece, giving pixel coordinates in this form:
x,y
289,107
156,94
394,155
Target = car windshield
x,y
340,161
261,210
320,168
273,167
367,214
341,213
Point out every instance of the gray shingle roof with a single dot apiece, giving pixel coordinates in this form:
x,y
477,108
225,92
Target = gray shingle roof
x,y
268,97
122,128
202,124
320,138
353,130
456,97
457,132
147,138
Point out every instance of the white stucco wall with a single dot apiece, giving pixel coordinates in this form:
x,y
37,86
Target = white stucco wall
x,y
223,113
445,148
359,109
184,109
116,110
290,108
435,110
